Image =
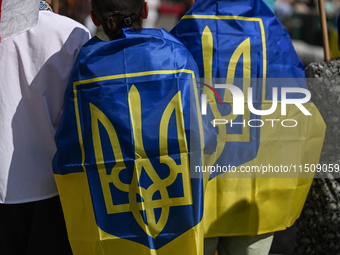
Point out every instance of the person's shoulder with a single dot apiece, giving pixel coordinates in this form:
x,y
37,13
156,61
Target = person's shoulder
x,y
148,35
94,43
58,29
176,49
59,22
161,33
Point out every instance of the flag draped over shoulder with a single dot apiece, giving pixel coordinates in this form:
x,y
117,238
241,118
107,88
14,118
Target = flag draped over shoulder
x,y
242,43
17,16
122,161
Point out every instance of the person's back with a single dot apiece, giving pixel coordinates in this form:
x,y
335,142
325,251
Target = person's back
x,y
242,43
35,66
131,111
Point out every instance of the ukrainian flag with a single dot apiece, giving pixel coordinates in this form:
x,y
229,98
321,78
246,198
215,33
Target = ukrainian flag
x,y
131,110
242,43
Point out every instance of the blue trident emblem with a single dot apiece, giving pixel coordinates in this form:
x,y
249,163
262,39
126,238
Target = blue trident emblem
x,y
147,220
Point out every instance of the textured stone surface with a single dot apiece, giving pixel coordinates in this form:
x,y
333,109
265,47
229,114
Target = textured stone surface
x,y
318,228
324,84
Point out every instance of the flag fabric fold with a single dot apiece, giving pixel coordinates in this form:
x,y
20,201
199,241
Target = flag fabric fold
x,y
122,161
242,43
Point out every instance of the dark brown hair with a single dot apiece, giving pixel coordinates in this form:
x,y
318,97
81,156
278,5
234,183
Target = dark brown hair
x,y
113,23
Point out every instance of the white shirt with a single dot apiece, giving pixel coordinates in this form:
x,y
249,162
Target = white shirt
x,y
34,70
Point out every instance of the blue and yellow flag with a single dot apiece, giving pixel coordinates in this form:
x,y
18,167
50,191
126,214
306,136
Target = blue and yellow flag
x,y
122,161
241,43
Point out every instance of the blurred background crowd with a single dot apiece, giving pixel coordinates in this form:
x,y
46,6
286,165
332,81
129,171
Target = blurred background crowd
x,y
300,18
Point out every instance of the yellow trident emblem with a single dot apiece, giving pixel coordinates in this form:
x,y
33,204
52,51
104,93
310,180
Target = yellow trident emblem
x,y
242,50
148,205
